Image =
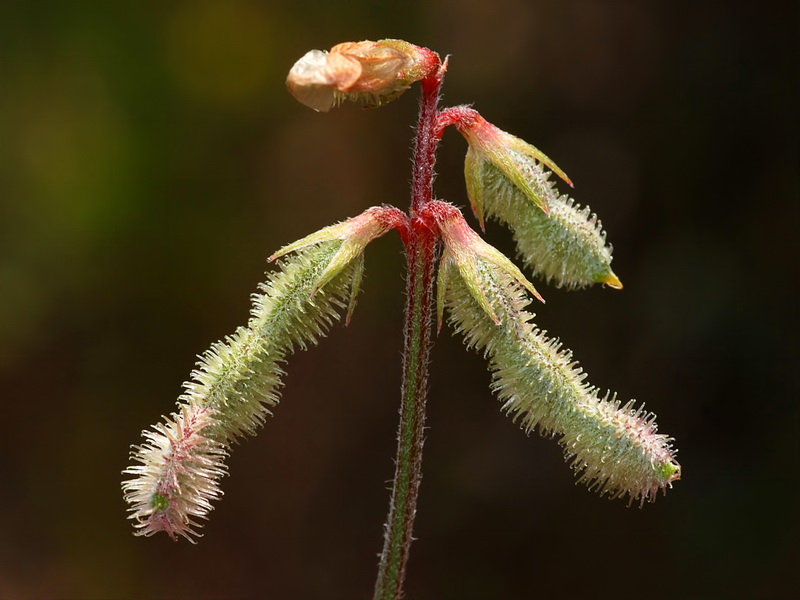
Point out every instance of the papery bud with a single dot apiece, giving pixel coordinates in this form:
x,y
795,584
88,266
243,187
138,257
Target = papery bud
x,y
369,73
238,378
506,180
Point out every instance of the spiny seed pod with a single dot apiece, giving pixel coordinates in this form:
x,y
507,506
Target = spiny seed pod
x,y
238,379
178,476
507,180
368,73
616,448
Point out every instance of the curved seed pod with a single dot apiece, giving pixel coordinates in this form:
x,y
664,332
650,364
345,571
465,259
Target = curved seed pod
x,y
615,448
236,381
557,239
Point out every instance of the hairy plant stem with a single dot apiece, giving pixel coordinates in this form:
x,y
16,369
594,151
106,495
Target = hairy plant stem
x,y
420,244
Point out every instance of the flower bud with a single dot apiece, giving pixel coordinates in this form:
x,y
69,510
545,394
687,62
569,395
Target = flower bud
x,y
369,73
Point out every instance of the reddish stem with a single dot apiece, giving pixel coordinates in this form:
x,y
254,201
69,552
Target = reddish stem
x,y
426,142
420,241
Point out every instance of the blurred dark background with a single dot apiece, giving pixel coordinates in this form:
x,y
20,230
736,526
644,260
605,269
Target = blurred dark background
x,y
151,159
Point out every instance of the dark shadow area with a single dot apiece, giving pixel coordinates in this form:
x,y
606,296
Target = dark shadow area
x,y
150,161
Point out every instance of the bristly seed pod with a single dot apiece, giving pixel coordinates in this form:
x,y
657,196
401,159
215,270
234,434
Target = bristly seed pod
x,y
368,73
557,239
616,448
178,475
238,378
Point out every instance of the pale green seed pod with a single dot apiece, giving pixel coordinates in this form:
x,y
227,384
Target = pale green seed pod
x,y
557,239
616,449
238,379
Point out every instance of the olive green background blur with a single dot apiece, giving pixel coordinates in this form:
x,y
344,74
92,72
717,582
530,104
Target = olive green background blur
x,y
151,159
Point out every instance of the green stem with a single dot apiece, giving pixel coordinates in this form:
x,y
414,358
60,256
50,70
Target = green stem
x,y
420,242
